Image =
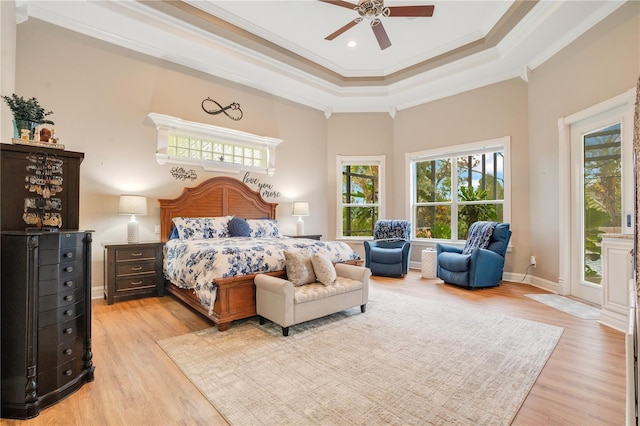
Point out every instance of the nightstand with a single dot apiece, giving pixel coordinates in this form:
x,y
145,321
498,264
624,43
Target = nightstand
x,y
311,237
132,271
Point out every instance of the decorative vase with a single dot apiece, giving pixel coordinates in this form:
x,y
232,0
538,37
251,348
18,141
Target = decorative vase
x,y
18,125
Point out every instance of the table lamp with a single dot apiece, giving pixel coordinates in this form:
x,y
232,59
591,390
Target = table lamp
x,y
300,209
133,205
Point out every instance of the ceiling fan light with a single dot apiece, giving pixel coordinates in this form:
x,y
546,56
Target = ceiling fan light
x,y
370,9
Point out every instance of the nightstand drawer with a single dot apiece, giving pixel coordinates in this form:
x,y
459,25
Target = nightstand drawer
x,y
135,282
135,253
135,268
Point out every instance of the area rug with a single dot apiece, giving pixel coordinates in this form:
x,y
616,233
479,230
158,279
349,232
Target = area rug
x,y
406,361
570,306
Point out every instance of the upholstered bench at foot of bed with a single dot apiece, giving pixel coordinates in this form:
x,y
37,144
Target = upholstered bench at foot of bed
x,y
278,300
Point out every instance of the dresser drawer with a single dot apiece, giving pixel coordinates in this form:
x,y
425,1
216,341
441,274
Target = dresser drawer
x,y
133,282
58,315
60,271
61,240
59,300
54,286
55,378
53,335
135,253
62,255
54,356
135,268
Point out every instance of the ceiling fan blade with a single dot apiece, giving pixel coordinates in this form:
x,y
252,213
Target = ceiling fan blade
x,y
340,3
341,30
411,11
381,36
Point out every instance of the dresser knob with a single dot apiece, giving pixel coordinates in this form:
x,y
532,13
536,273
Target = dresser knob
x,y
136,282
67,352
68,255
136,268
68,312
68,372
68,297
68,283
68,330
68,269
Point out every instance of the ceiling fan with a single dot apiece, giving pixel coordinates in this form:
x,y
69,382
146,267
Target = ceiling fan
x,y
373,10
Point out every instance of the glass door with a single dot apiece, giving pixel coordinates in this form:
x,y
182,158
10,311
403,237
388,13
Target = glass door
x,y
597,206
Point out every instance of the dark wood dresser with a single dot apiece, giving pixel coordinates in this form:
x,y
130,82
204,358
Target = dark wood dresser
x,y
45,287
132,271
46,319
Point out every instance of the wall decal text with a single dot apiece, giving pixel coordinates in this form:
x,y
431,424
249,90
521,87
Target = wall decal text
x,y
265,189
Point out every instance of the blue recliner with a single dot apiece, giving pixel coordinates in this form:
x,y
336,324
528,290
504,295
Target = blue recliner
x,y
475,266
388,254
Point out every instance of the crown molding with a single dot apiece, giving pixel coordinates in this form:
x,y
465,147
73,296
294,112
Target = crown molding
x,y
548,28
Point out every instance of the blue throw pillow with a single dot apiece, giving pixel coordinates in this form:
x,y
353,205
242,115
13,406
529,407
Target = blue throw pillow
x,y
174,233
238,227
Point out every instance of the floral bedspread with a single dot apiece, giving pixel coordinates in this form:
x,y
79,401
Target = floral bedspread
x,y
197,263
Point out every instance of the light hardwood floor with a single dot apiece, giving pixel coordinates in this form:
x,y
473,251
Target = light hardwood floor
x,y
583,383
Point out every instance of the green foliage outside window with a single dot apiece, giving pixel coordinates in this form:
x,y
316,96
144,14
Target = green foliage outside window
x,y
602,195
479,178
470,213
359,199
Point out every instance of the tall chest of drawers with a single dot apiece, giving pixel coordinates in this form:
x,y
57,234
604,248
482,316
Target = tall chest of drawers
x,y
46,319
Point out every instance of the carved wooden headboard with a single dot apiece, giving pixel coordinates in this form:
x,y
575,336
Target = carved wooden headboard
x,y
218,196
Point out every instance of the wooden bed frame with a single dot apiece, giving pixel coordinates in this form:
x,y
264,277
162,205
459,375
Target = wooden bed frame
x,y
219,196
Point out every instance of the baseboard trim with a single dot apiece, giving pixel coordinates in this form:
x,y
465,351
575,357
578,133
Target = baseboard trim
x,y
97,293
516,278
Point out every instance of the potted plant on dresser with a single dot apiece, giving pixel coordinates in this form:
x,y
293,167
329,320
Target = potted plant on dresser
x,y
27,114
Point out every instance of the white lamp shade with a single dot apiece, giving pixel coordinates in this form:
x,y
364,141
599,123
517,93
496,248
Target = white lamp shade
x,y
132,204
300,209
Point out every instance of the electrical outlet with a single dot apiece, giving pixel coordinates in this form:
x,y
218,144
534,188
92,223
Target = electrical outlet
x,y
157,230
532,261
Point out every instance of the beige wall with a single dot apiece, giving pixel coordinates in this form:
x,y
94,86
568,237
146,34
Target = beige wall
x,y
101,94
601,64
490,112
359,135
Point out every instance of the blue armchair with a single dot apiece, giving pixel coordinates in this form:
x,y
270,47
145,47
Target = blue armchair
x,y
388,254
475,266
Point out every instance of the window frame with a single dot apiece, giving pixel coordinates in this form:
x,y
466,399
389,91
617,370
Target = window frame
x,y
474,148
168,126
359,160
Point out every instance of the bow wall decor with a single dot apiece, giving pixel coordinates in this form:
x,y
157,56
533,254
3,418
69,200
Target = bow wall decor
x,y
234,107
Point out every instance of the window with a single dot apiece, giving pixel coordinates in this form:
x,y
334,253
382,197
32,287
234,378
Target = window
x,y
360,195
453,188
214,148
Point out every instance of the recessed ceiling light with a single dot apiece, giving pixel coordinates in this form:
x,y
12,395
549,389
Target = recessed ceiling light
x,y
352,43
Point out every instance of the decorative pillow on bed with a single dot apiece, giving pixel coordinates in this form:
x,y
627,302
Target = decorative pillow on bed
x,y
174,233
198,228
239,227
263,228
299,267
323,268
